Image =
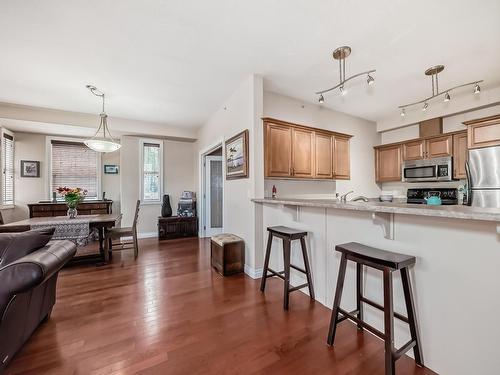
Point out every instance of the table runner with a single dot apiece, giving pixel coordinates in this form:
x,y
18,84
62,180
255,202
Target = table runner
x,y
76,230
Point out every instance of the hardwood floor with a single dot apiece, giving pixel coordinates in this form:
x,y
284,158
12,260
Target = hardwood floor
x,y
169,313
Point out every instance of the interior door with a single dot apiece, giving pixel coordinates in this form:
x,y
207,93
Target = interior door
x,y
213,196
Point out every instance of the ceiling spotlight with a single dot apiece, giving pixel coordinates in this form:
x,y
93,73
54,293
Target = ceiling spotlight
x,y
477,89
426,105
446,97
370,80
342,90
321,99
403,112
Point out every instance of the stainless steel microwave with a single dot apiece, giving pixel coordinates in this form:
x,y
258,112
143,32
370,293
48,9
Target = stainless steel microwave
x,y
436,169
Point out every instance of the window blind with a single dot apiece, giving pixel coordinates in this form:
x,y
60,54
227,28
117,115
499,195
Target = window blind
x,y
151,172
74,165
8,169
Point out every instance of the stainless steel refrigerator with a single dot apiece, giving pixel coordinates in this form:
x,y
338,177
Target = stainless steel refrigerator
x,y
483,175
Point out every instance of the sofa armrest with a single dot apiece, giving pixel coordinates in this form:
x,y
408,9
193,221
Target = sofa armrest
x,y
33,269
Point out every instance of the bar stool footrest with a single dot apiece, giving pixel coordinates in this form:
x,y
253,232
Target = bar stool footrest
x,y
275,274
410,344
298,287
355,319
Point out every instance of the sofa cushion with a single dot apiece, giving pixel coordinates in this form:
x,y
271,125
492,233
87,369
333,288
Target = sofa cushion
x,y
16,245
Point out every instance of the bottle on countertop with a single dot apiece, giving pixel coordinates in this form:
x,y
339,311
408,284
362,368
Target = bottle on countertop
x,y
275,192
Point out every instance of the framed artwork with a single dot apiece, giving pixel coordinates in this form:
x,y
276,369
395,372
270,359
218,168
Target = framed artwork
x,y
110,169
30,168
237,156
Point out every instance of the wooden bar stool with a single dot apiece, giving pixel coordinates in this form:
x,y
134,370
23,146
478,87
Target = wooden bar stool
x,y
287,235
387,262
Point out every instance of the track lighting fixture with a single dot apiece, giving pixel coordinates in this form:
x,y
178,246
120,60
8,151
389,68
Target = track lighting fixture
x,y
403,112
341,54
321,99
433,73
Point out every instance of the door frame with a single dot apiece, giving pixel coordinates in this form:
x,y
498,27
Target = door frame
x,y
202,183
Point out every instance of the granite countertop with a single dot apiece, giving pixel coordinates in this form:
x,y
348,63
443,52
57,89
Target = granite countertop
x,y
455,212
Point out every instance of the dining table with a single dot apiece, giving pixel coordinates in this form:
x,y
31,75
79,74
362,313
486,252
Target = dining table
x,y
101,222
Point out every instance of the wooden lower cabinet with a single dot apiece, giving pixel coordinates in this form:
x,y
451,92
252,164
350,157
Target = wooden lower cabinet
x,y
388,163
414,150
459,155
342,166
323,148
437,147
303,154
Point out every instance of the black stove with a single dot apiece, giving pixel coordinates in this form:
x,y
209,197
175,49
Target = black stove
x,y
448,195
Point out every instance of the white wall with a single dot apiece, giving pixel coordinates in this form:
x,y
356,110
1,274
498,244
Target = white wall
x,y
364,134
178,160
242,110
30,146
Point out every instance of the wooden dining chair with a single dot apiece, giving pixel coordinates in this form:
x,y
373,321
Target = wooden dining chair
x,y
116,234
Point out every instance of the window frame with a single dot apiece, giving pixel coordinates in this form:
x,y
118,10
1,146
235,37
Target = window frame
x,y
48,166
2,204
142,142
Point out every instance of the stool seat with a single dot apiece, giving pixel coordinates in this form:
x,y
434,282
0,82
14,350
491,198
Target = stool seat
x,y
375,256
281,231
224,238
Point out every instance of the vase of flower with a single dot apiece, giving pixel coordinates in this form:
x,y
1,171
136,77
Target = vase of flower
x,y
72,197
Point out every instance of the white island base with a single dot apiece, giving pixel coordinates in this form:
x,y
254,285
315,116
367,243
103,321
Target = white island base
x,y
456,279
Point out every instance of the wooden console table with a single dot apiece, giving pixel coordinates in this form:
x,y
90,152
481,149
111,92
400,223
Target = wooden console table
x,y
177,227
49,209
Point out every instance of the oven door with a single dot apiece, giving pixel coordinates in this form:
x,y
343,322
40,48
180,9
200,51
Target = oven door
x,y
418,173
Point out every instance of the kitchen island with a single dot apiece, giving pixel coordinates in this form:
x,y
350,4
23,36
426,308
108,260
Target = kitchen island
x,y
456,275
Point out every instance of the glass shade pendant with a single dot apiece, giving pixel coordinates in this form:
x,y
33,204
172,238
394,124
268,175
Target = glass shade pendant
x,y
102,141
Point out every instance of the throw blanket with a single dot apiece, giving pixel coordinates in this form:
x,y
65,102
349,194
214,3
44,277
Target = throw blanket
x,y
76,230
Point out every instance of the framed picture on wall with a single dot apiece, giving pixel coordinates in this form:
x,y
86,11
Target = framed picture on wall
x,y
237,156
111,169
30,168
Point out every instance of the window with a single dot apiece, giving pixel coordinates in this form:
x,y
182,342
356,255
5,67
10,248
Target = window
x,y
74,165
151,177
8,169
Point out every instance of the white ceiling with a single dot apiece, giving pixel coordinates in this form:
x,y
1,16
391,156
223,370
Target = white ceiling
x,y
175,62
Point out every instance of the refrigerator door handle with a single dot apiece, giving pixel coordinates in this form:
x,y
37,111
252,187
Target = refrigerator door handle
x,y
469,182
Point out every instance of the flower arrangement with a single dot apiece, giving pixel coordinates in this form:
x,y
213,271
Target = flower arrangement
x,y
72,197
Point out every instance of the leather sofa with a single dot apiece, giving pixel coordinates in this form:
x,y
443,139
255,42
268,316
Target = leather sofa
x,y
29,266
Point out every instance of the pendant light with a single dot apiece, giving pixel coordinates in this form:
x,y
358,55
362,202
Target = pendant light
x,y
433,72
340,54
102,140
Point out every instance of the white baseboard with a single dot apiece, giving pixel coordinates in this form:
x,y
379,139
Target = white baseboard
x,y
254,273
147,234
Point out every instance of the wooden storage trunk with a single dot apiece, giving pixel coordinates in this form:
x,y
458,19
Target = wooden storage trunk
x,y
177,227
228,254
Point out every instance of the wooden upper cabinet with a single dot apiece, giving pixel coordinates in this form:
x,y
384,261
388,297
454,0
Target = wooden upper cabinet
x,y
438,146
302,153
459,155
323,147
483,132
414,150
388,163
278,150
342,167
